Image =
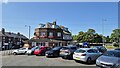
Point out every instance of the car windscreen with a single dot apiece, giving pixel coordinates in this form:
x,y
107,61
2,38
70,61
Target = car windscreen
x,y
112,54
22,48
34,48
74,48
117,49
80,51
64,48
56,48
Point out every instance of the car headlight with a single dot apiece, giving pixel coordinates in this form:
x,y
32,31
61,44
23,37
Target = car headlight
x,y
97,62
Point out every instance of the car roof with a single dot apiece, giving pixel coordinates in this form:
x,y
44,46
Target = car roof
x,y
117,48
86,48
69,46
114,50
98,46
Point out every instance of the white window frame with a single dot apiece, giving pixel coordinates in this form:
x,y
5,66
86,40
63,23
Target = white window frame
x,y
42,33
50,33
59,34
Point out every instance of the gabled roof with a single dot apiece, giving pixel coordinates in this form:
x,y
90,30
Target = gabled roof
x,y
66,32
14,35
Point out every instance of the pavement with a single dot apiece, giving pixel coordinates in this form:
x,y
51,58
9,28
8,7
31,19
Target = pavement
x,y
24,60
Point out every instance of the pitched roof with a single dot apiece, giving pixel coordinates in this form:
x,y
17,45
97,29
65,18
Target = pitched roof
x,y
66,32
8,34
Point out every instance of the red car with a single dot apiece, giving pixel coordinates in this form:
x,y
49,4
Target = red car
x,y
40,51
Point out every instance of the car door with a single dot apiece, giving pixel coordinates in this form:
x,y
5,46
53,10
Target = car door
x,y
96,54
22,50
91,53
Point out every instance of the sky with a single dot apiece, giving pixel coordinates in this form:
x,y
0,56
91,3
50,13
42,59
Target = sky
x,y
77,16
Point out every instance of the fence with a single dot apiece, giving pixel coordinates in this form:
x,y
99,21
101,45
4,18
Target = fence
x,y
6,52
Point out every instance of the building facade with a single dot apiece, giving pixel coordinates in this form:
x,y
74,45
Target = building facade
x,y
10,40
51,34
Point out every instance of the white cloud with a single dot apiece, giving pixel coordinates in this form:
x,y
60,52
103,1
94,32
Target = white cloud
x,y
4,1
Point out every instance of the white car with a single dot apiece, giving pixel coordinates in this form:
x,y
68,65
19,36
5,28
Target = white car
x,y
86,54
20,51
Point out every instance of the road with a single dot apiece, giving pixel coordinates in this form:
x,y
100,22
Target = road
x,y
24,60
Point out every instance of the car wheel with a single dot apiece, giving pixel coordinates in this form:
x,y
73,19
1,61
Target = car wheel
x,y
25,52
14,53
89,60
77,61
28,54
64,57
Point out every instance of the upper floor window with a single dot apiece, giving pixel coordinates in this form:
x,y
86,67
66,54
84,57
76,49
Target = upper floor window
x,y
50,33
59,34
42,33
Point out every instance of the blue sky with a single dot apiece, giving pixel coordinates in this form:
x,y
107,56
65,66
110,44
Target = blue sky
x,y
77,16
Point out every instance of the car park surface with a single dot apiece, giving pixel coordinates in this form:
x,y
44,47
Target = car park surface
x,y
24,60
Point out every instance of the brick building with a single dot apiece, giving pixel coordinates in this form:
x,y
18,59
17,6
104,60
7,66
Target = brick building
x,y
10,40
51,34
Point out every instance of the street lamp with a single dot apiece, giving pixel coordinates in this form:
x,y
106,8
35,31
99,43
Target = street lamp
x,y
29,28
103,20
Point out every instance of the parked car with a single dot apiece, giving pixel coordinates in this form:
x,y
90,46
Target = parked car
x,y
101,49
110,59
20,51
40,51
67,52
117,49
86,54
31,51
55,52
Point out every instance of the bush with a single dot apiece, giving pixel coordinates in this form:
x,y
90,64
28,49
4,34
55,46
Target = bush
x,y
115,44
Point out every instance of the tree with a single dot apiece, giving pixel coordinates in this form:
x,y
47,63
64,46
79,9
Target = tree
x,y
90,36
115,35
91,31
75,37
107,39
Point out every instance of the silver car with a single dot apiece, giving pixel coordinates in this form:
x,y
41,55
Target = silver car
x,y
31,51
86,54
110,59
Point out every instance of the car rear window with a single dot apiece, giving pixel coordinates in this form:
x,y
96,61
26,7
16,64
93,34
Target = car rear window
x,y
73,48
112,54
56,48
64,48
92,51
80,51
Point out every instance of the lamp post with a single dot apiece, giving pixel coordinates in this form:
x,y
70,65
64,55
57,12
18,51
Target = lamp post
x,y
29,28
103,20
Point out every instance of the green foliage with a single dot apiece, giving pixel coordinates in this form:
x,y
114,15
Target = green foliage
x,y
115,36
115,44
92,37
89,36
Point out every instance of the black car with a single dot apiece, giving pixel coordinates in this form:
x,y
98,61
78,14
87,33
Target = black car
x,y
117,49
67,52
101,49
54,52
